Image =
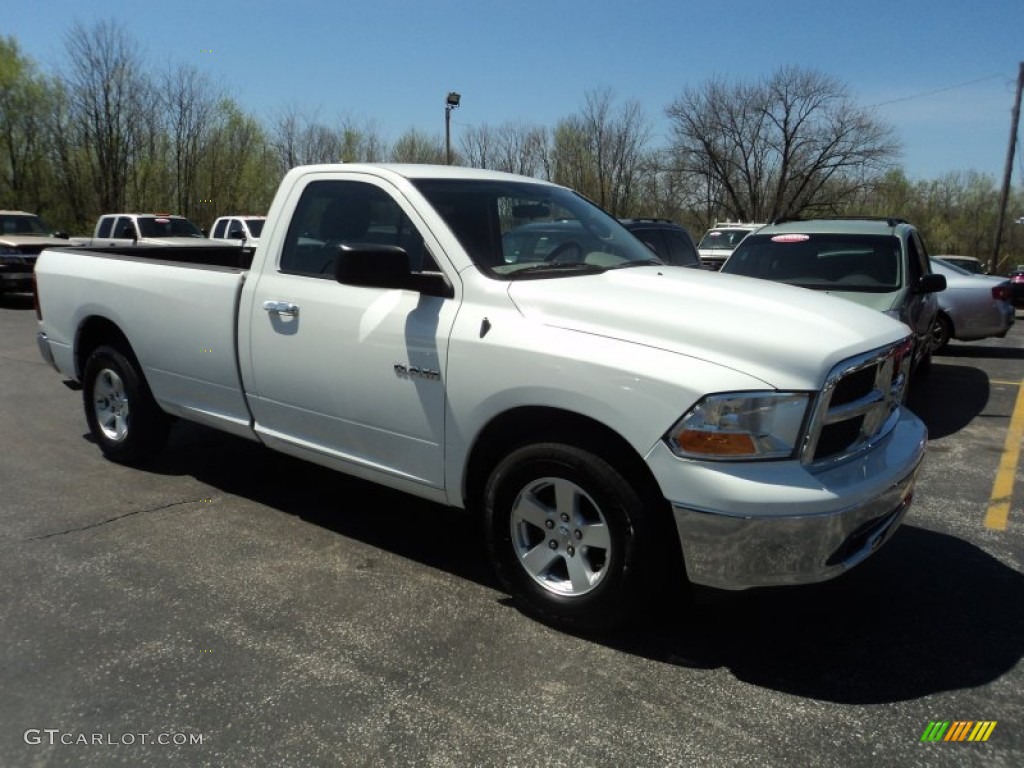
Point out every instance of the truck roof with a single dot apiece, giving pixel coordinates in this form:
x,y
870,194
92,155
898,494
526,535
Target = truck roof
x,y
147,213
416,171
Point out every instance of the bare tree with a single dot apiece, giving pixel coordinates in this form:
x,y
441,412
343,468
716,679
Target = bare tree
x,y
599,151
479,146
792,143
189,102
299,139
109,96
511,147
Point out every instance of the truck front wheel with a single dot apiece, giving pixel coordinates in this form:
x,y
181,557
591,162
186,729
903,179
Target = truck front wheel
x,y
569,536
123,417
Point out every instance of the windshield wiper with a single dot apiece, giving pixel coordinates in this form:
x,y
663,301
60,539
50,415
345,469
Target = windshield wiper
x,y
577,267
641,263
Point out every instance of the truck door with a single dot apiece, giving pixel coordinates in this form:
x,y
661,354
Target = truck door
x,y
124,232
921,307
350,376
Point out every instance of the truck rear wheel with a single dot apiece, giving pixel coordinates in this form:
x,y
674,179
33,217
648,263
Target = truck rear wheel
x,y
569,536
123,417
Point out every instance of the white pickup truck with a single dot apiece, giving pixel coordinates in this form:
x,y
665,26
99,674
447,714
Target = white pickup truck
x,y
615,422
135,229
243,231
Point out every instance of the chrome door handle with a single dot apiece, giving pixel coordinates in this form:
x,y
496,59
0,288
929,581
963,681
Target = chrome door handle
x,y
281,307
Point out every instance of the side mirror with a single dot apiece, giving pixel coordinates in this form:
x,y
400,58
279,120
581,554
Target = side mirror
x,y
62,235
236,234
385,266
376,266
932,283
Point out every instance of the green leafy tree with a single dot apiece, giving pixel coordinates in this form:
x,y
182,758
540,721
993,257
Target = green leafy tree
x,y
416,146
26,101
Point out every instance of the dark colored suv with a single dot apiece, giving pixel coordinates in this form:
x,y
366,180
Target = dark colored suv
x,y
670,241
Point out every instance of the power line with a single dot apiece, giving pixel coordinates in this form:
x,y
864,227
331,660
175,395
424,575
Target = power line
x,y
937,90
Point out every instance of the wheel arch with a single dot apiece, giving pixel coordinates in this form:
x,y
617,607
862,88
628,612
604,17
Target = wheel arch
x,y
944,317
662,562
95,331
537,424
948,317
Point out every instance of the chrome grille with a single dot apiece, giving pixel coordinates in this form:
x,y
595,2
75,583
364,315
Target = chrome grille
x,y
859,404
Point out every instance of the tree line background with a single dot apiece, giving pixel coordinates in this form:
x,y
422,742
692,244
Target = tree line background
x,y
107,133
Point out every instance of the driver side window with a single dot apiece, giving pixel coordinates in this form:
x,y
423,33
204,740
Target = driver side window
x,y
334,213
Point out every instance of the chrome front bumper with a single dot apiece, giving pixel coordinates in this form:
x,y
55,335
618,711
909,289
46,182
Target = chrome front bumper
x,y
739,552
758,524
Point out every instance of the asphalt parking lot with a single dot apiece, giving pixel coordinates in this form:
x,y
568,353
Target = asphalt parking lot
x,y
233,607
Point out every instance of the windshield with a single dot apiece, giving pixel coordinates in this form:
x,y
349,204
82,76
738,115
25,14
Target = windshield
x,y
722,239
944,267
167,226
867,263
255,226
970,266
521,229
22,224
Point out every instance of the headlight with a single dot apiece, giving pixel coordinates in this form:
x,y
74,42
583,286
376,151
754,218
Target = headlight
x,y
741,425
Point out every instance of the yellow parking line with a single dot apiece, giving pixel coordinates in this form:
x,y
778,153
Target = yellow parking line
x,y
998,513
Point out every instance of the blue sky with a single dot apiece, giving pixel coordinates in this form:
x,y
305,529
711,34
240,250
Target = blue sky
x,y
942,73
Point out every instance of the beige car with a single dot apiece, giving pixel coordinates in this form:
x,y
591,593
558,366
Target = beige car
x,y
971,264
22,236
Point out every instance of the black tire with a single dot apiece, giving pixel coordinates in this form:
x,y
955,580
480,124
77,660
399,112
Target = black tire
x,y
942,332
924,366
542,504
122,415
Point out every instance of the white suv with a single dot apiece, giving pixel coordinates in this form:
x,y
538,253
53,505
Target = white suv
x,y
719,241
881,263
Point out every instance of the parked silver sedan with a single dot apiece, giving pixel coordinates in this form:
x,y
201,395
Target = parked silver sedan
x,y
972,307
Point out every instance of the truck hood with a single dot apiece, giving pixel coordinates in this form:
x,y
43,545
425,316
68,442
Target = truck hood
x,y
32,243
882,302
786,336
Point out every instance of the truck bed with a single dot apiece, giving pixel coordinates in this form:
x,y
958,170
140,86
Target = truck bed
x,y
228,256
177,306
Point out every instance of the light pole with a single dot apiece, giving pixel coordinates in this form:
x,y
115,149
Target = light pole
x,y
450,103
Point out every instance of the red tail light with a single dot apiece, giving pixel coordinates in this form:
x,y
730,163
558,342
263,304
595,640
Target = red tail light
x,y
1001,292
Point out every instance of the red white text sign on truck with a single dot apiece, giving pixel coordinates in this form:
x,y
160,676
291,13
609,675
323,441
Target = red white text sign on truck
x,y
612,419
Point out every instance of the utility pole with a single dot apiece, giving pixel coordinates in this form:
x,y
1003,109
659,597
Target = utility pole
x,y
1004,196
450,103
